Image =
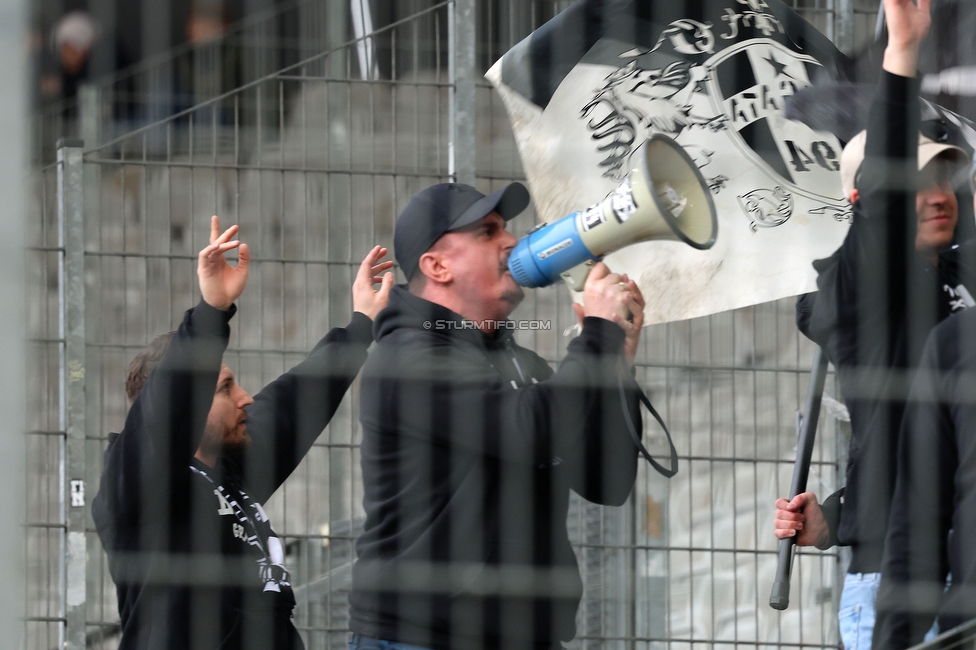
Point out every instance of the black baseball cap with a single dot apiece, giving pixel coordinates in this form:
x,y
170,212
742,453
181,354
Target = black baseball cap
x,y
445,207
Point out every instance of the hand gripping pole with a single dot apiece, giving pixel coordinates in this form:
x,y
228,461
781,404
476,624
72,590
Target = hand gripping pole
x,y
780,596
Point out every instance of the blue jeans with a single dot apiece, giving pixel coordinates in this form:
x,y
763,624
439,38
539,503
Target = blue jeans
x,y
360,642
857,612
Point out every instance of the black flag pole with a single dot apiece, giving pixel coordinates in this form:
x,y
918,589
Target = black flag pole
x,y
780,596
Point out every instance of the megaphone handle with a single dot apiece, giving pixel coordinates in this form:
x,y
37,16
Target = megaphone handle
x,y
575,278
666,472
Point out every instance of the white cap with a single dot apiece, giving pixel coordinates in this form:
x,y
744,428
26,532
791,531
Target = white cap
x,y
853,155
76,28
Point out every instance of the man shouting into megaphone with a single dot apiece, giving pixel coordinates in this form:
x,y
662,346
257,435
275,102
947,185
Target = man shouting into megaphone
x,y
471,443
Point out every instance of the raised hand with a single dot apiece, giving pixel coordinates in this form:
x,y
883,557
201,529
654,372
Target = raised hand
x,y
908,25
220,283
366,299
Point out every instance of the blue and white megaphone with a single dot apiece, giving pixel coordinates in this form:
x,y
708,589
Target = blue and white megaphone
x,y
665,197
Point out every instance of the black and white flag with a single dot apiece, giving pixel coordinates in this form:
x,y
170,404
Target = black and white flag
x,y
587,88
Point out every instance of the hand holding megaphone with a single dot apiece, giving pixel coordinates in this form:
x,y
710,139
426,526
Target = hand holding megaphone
x,y
665,197
616,298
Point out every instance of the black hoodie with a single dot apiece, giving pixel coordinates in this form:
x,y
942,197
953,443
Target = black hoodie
x,y
195,561
470,447
933,511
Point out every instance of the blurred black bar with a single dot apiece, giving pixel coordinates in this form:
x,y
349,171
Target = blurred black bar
x,y
958,638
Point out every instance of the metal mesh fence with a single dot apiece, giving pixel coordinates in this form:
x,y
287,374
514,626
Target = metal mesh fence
x,y
315,162
179,78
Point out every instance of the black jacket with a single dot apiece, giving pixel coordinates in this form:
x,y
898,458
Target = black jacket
x,y
195,561
935,493
877,300
471,445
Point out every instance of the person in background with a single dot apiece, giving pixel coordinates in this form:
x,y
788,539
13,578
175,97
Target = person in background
x,y
72,40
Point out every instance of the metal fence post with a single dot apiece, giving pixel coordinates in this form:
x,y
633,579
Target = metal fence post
x,y
845,26
462,37
71,295
16,140
333,30
90,114
879,22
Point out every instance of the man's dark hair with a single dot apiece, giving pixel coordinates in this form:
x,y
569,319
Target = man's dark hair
x,y
143,364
